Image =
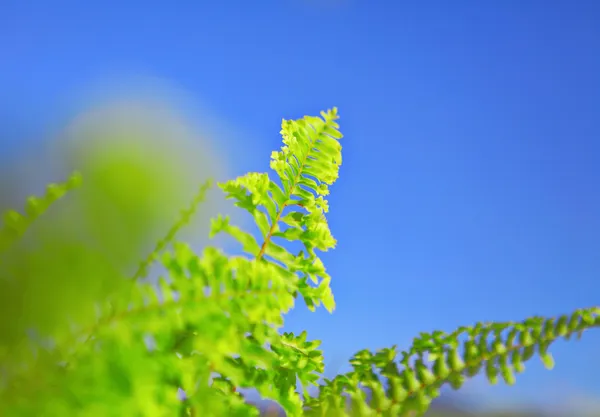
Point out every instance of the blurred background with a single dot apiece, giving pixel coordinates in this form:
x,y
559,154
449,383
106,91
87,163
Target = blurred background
x,y
469,187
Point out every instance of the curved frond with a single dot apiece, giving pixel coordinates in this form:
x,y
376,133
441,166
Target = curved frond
x,y
186,216
15,223
438,358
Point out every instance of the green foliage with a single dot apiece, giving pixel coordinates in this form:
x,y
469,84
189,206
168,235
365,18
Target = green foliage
x,y
212,324
15,223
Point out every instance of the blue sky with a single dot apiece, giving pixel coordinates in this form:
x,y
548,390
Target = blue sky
x,y
469,187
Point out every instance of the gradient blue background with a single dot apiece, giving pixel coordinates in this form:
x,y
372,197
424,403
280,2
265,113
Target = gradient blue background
x,y
469,187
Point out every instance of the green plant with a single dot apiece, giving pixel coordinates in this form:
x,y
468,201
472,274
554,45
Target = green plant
x,y
214,320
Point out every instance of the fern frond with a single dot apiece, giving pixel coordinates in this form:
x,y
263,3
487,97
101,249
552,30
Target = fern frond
x,y
307,164
498,349
15,224
201,315
186,216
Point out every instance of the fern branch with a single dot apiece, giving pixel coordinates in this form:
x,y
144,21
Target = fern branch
x,y
308,162
414,387
292,187
15,224
186,216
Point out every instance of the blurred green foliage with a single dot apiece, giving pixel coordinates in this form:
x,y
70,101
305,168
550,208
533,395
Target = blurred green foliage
x,y
89,242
